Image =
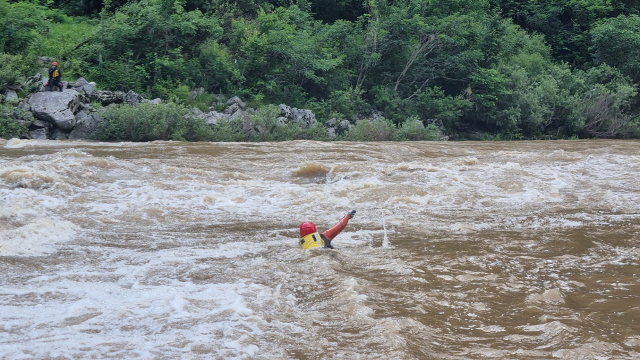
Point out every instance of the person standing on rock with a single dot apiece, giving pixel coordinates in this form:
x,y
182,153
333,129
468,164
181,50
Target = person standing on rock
x,y
311,238
54,77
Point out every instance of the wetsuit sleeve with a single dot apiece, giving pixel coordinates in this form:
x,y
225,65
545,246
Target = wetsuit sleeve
x,y
337,228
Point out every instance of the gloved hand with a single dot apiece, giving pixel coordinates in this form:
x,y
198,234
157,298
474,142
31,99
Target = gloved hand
x,y
352,213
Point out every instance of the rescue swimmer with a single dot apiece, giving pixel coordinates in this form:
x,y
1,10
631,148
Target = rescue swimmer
x,y
54,77
311,238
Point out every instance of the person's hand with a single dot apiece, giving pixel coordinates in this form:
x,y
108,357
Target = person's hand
x,y
352,213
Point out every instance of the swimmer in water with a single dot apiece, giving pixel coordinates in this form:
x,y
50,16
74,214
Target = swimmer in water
x,y
311,238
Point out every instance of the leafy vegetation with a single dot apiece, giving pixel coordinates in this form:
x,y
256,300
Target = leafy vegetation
x,y
9,125
481,69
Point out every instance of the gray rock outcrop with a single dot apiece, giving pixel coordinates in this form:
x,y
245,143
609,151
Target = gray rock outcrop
x,y
109,97
132,98
40,134
237,101
56,107
211,118
87,125
306,118
84,87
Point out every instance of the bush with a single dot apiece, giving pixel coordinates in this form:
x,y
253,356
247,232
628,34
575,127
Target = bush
x,y
9,126
413,129
228,131
148,122
10,70
376,130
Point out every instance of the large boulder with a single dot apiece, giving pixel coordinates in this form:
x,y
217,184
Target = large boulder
x,y
87,126
306,118
79,83
84,87
56,107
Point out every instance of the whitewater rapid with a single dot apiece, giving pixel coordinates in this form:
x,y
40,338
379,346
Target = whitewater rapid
x,y
465,250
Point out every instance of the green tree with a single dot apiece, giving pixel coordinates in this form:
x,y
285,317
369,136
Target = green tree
x,y
20,24
145,42
616,42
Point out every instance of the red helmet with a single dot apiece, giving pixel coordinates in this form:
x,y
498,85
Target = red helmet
x,y
55,63
307,228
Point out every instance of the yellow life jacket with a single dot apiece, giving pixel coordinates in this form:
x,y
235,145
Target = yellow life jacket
x,y
312,241
56,74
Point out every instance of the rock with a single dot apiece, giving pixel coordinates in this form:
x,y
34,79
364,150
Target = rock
x,y
132,98
11,97
232,109
214,117
39,124
236,100
56,107
210,118
282,120
156,101
40,134
331,132
25,123
59,134
84,87
87,126
86,108
108,97
333,122
80,82
285,111
240,114
306,118
89,89
43,84
344,126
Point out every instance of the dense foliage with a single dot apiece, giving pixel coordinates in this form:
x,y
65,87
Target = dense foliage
x,y
475,69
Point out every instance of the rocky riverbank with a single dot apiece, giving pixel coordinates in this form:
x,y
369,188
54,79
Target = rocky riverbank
x,y
77,112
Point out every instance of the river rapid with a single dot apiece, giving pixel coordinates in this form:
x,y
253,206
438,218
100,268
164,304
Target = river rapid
x,y
458,250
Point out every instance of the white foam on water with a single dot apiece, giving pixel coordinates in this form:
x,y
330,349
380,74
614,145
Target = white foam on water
x,y
27,177
16,143
38,237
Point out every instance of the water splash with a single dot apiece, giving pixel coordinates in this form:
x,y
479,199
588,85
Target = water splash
x,y
385,239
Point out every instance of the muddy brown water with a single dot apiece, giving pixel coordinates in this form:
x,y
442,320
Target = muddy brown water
x,y
467,250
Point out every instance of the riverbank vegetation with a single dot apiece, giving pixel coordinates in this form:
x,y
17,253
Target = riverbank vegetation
x,y
481,69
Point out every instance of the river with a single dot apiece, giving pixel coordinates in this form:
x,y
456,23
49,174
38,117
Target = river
x,y
458,250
